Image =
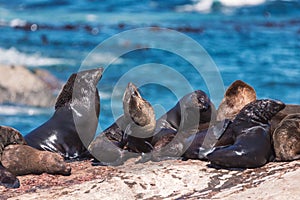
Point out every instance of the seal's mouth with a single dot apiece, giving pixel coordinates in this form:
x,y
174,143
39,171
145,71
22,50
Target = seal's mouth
x,y
132,90
131,93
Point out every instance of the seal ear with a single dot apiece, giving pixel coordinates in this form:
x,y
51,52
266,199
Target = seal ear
x,y
236,97
65,94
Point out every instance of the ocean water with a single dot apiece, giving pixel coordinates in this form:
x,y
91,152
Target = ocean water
x,y
255,41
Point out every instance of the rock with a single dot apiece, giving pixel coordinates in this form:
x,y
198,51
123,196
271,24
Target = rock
x,y
51,81
18,85
171,179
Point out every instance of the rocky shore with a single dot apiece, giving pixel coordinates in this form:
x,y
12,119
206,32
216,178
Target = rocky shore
x,y
171,179
18,85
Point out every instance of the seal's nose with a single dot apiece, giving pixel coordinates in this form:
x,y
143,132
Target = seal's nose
x,y
279,104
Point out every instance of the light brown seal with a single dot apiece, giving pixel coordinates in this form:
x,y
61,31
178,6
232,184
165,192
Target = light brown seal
x,y
286,138
236,97
23,159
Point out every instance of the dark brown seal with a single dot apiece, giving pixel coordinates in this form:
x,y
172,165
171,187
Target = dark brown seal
x,y
23,159
236,97
73,125
192,113
250,131
128,136
9,136
286,138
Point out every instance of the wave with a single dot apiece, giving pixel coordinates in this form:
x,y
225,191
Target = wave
x,y
104,95
96,58
12,56
207,6
12,110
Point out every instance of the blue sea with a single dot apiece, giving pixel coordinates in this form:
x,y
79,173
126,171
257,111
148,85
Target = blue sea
x,y
166,47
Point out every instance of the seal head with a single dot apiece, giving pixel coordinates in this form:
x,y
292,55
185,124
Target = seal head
x,y
9,136
236,97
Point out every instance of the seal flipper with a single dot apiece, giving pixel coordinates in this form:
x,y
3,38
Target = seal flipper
x,y
106,152
247,151
205,141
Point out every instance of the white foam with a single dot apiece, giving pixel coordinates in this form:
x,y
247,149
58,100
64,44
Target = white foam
x,y
17,22
12,56
102,58
11,110
241,3
91,17
201,6
104,95
206,5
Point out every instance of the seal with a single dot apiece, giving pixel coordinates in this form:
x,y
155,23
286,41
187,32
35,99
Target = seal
x,y
289,109
252,141
236,97
73,125
140,118
195,146
119,142
22,159
7,179
286,138
9,135
193,111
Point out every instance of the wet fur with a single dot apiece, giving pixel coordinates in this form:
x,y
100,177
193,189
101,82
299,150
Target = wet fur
x,y
76,110
250,132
